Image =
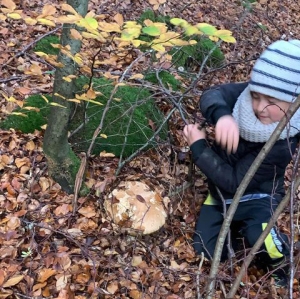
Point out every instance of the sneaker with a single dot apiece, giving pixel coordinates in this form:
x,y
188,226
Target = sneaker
x,y
280,277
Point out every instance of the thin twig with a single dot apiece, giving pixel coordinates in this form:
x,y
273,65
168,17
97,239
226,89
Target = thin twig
x,y
198,276
78,181
231,253
292,225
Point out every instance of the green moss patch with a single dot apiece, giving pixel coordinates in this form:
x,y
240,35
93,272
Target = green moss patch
x,y
126,124
31,119
167,79
189,57
44,45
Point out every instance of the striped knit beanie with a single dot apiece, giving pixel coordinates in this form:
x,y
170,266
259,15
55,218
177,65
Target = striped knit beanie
x,y
276,73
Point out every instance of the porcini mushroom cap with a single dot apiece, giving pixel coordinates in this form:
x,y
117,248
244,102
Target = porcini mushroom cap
x,y
135,203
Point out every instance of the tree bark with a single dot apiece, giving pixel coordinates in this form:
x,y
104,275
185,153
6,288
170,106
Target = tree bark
x,y
63,164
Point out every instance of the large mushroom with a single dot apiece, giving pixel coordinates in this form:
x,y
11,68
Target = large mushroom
x,y
135,206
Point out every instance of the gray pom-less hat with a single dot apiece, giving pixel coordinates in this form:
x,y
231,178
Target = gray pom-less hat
x,y
276,73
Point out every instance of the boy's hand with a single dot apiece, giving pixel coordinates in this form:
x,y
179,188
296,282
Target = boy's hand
x,y
227,133
191,133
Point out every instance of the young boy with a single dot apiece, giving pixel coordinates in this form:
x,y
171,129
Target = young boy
x,y
245,115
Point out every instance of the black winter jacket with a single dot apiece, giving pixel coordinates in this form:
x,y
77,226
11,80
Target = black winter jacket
x,y
227,171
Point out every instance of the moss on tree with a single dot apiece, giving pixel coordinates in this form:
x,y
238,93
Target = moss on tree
x,y
44,45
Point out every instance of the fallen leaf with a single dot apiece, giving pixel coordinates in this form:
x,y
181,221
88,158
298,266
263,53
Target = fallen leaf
x,y
45,273
136,260
13,281
87,212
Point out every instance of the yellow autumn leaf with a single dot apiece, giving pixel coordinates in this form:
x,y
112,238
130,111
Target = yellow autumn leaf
x,y
76,34
136,76
158,48
57,105
120,84
44,127
228,39
45,99
9,4
103,136
9,99
30,21
179,42
97,36
213,38
179,22
136,43
77,58
31,108
225,35
190,30
42,54
104,154
13,281
84,97
14,16
108,75
69,19
132,24
88,23
68,8
207,28
34,70
91,94
109,27
46,22
59,95
67,79
74,101
19,114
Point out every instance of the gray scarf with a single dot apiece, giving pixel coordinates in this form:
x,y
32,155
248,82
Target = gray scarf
x,y
252,129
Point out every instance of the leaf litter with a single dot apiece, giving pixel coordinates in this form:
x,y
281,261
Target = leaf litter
x,y
46,251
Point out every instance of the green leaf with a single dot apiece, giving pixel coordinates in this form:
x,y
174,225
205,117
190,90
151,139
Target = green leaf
x,y
190,30
91,22
151,30
261,26
179,22
207,28
225,35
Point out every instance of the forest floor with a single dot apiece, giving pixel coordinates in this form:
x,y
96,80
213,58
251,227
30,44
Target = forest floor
x,y
46,252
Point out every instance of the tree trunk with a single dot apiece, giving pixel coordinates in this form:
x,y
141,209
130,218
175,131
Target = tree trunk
x,y
63,164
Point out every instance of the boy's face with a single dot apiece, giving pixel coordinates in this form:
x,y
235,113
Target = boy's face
x,y
267,109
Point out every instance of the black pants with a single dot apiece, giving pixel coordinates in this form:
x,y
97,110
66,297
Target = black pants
x,y
250,219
